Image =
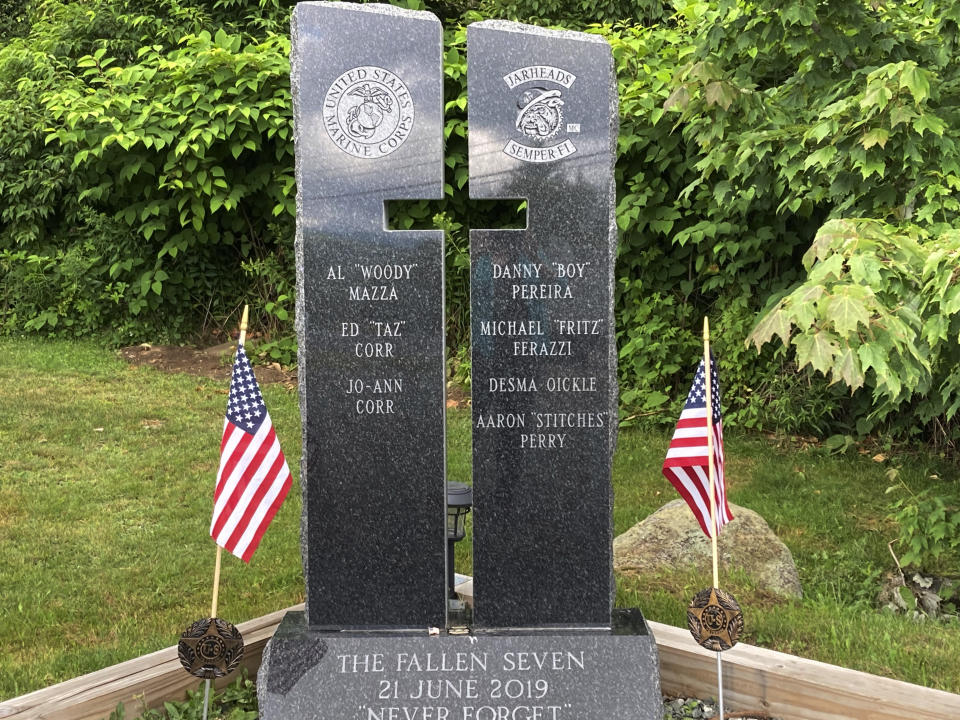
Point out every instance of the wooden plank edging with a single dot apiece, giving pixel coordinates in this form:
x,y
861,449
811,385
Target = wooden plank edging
x,y
786,686
792,687
144,682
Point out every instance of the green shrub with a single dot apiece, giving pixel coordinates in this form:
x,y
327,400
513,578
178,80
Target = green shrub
x,y
928,524
745,128
578,13
880,309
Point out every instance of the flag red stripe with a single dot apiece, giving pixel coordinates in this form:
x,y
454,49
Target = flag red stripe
x,y
229,435
226,434
698,441
692,421
247,474
685,494
230,466
268,517
685,462
254,504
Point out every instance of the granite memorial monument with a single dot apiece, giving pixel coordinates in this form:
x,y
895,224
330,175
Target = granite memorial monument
x,y
373,642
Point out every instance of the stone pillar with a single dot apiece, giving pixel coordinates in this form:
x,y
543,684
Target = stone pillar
x,y
368,101
543,126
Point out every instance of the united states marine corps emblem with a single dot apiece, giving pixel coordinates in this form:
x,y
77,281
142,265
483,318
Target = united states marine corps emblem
x,y
540,116
368,112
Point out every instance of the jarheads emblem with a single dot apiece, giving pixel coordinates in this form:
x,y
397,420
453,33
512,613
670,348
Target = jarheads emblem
x,y
368,112
714,619
539,97
541,113
210,648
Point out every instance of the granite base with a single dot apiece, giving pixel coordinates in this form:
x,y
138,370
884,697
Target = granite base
x,y
528,674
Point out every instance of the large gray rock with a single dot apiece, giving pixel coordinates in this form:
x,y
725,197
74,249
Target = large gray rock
x,y
671,539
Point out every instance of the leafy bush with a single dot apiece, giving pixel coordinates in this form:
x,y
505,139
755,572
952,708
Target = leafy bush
x,y
746,128
200,140
13,18
782,120
186,146
577,13
688,246
879,308
928,525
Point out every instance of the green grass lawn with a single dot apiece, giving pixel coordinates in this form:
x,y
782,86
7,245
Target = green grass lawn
x,y
106,487
106,484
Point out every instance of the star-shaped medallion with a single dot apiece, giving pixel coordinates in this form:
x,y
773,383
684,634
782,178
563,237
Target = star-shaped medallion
x,y
210,648
714,619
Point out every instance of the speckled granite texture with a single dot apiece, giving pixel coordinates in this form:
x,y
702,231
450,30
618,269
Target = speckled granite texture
x,y
368,114
367,84
555,676
542,112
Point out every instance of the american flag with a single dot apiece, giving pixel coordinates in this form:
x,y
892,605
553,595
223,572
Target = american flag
x,y
253,478
686,464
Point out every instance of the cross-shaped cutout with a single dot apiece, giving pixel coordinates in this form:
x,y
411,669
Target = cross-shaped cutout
x,y
420,214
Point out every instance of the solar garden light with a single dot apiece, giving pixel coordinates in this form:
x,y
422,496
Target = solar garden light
x,y
459,502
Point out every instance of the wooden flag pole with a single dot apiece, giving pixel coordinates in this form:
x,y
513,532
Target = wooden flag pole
x,y
216,567
216,583
243,324
711,472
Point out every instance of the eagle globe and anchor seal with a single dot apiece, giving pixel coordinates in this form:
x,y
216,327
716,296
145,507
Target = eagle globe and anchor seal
x,y
368,112
540,116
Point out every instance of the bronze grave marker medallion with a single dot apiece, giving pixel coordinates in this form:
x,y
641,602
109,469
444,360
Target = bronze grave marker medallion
x,y
210,648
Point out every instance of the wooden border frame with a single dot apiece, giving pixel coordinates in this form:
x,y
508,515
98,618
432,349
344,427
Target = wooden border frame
x,y
755,679
791,687
141,683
